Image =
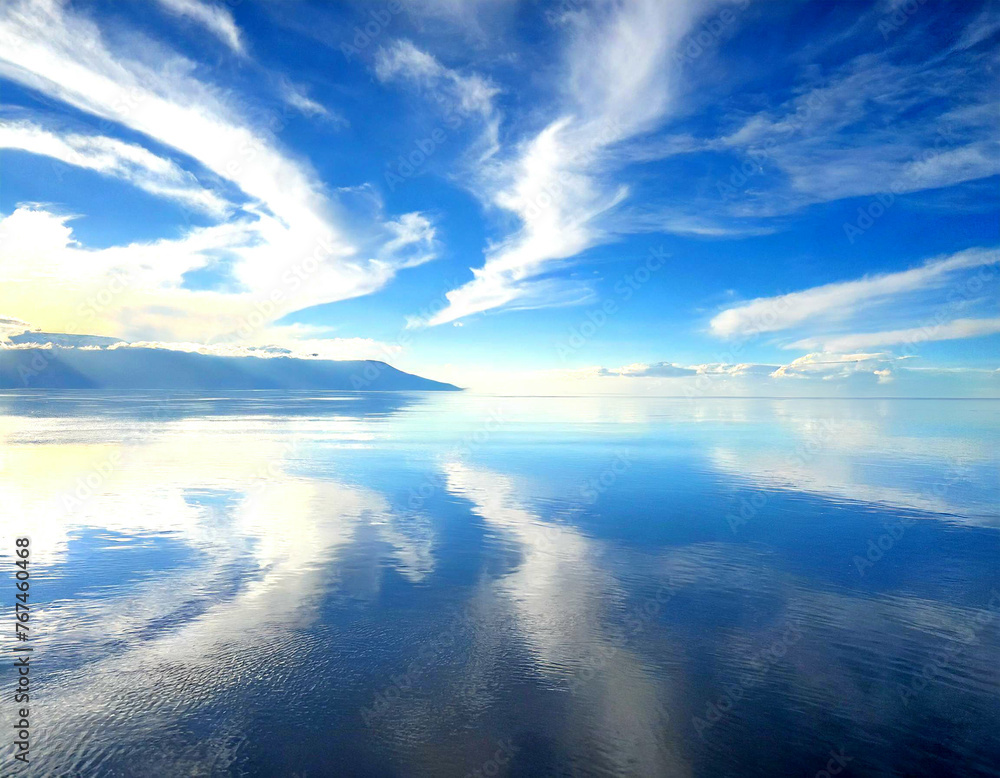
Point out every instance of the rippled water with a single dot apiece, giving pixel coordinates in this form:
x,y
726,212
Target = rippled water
x,y
430,585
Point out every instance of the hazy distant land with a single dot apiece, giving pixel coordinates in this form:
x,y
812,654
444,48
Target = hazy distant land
x,y
86,362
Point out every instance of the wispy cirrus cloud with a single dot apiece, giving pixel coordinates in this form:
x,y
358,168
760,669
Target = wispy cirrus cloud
x,y
617,71
469,93
953,330
861,129
214,18
164,103
460,96
842,299
413,241
476,20
897,120
289,219
865,130
298,98
112,157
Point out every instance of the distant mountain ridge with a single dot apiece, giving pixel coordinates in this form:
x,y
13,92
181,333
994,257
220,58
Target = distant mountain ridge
x,y
159,368
63,339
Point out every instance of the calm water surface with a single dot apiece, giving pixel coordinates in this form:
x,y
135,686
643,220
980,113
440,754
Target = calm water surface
x,y
433,585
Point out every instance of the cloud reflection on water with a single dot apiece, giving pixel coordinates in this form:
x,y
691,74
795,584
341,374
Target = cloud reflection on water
x,y
228,557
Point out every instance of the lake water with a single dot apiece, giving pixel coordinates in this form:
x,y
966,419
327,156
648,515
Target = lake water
x,y
436,584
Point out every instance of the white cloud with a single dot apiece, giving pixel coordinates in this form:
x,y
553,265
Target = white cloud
x,y
40,49
829,366
214,18
739,369
479,20
657,370
137,290
618,84
826,375
10,325
673,220
413,240
773,314
290,240
872,127
297,97
460,96
958,328
468,93
984,26
112,157
671,370
822,365
887,122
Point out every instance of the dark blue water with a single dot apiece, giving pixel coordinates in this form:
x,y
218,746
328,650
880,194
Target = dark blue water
x,y
434,585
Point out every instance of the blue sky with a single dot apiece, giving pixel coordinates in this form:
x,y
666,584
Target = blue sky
x,y
637,196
